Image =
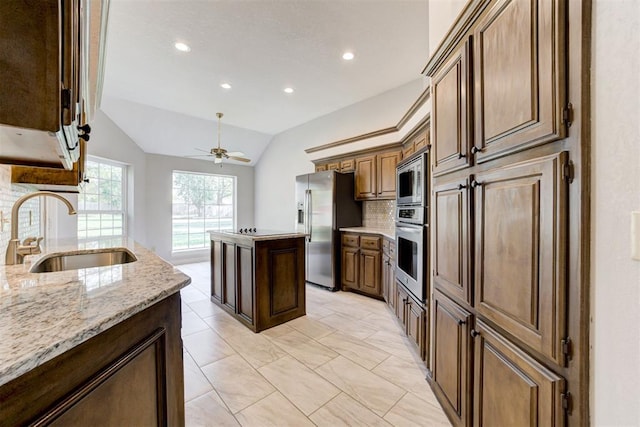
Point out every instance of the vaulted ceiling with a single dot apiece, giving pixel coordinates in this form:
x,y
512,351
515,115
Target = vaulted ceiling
x,y
166,99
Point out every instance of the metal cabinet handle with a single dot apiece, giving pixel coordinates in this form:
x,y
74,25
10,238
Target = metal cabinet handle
x,y
461,155
475,184
461,186
474,333
475,150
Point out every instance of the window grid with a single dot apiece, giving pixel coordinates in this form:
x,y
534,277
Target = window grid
x,y
101,203
201,202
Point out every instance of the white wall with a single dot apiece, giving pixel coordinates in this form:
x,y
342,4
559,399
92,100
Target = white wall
x,y
159,203
442,13
615,295
285,158
110,142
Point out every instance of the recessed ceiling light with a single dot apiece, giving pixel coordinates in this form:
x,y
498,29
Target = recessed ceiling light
x,y
182,47
288,89
225,86
348,56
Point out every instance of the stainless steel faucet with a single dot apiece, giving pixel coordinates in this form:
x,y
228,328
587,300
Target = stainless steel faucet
x,y
31,245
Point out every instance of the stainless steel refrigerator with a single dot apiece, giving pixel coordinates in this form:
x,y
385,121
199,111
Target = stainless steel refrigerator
x,y
325,203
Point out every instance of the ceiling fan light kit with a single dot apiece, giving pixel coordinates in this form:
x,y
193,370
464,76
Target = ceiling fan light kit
x,y
220,153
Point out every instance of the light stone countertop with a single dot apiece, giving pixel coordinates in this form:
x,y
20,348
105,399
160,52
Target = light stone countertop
x,y
389,233
42,315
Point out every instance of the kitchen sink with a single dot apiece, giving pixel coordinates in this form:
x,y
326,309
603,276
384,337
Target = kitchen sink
x,y
84,259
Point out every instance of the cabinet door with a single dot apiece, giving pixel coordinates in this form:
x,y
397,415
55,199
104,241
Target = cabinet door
x,y
333,166
245,285
321,168
216,270
416,325
385,277
420,141
350,267
408,150
519,69
520,245
229,276
347,165
386,168
365,177
451,271
511,388
452,358
451,112
370,262
402,296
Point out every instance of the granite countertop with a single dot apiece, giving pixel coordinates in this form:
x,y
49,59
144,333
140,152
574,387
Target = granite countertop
x,y
389,233
259,235
42,315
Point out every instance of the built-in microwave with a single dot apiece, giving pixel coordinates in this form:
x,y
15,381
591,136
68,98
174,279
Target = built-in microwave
x,y
410,181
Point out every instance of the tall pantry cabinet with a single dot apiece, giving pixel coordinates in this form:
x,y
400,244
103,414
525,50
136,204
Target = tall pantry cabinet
x,y
510,214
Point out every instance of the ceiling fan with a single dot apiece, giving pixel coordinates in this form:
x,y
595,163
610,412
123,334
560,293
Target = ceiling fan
x,y
220,153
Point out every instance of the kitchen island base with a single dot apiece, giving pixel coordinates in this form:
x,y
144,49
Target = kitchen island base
x,y
260,280
130,374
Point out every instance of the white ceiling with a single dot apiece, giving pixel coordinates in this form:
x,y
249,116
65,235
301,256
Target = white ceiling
x,y
166,100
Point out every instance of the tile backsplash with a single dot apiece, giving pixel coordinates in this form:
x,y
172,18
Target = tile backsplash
x,y
378,213
29,221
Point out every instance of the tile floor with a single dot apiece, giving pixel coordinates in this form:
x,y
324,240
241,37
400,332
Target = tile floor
x,y
346,363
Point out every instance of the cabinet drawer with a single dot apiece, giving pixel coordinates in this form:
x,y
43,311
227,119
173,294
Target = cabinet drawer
x,y
370,242
350,240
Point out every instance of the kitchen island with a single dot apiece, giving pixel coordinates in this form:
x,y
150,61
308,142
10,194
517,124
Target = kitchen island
x,y
258,276
92,346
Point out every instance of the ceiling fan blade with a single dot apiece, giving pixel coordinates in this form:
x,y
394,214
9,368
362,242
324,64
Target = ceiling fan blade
x,y
235,153
204,151
218,160
200,155
240,159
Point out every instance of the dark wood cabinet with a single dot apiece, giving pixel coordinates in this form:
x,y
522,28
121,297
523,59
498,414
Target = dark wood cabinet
x,y
520,247
386,174
260,282
130,374
451,101
451,239
375,176
365,177
362,264
389,273
412,315
519,76
510,387
451,367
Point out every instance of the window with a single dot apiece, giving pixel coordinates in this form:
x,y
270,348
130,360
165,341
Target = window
x,y
101,203
201,202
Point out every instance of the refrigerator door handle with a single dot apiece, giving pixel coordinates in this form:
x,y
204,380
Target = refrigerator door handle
x,y
309,214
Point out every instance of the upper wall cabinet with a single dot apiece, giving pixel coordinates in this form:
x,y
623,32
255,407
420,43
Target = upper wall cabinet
x,y
375,176
45,71
519,76
451,113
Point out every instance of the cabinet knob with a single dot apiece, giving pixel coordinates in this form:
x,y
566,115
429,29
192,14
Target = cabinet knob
x,y
86,128
475,150
461,155
475,184
474,333
84,136
461,186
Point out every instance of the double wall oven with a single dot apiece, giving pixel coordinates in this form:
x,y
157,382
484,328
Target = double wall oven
x,y
411,223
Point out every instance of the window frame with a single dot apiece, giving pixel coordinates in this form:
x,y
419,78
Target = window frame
x,y
234,206
124,211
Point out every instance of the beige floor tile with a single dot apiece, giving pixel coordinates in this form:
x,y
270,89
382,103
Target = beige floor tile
x,y
191,294
355,349
195,383
404,373
208,411
258,350
185,307
343,410
205,308
277,331
348,325
304,349
393,343
311,327
357,310
374,392
274,410
228,327
317,311
206,347
383,320
237,383
192,323
413,411
304,388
